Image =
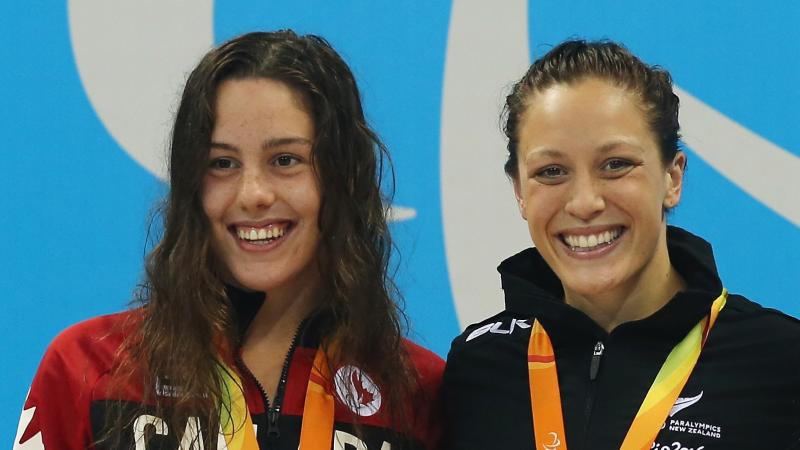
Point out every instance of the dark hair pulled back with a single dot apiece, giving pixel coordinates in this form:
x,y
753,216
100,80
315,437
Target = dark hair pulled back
x,y
575,60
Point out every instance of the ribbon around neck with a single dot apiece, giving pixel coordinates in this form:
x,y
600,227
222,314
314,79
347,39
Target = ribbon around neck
x,y
548,418
316,432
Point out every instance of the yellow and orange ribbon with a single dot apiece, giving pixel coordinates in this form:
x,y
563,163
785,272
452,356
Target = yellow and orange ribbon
x,y
548,419
235,423
316,431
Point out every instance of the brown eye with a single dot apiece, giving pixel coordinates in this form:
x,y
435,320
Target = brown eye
x,y
286,160
617,167
550,174
222,163
617,164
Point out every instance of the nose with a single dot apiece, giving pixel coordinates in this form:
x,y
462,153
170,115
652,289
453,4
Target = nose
x,y
585,199
256,190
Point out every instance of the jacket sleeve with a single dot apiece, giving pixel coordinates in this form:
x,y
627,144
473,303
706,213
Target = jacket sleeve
x,y
427,404
56,412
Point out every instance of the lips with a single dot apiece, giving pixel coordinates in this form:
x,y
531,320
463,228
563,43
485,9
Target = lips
x,y
588,242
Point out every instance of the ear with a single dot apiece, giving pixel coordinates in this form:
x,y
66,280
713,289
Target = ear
x,y
674,180
519,197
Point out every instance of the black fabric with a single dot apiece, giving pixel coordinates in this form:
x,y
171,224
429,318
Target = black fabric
x,y
245,306
747,378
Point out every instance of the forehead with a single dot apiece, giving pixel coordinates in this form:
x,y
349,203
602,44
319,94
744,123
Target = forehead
x,y
585,95
585,114
259,101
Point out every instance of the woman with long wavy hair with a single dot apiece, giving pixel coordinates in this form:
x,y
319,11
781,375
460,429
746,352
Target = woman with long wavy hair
x,y
267,318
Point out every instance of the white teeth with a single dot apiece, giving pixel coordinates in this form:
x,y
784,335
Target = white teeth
x,y
592,240
260,234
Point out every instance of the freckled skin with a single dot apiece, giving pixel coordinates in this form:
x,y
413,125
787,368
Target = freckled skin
x,y
249,181
589,163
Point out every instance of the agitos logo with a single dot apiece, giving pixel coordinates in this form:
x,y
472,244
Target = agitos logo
x,y
357,391
553,445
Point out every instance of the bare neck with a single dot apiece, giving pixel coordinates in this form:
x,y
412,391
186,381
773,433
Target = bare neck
x,y
269,339
280,315
609,312
642,296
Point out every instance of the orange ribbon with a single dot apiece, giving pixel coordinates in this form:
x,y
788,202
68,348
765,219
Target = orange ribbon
x,y
316,432
548,419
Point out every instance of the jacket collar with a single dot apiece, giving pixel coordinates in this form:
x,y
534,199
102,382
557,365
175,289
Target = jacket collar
x,y
245,306
533,290
247,303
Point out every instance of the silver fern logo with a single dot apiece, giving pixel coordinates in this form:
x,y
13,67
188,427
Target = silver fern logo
x,y
684,402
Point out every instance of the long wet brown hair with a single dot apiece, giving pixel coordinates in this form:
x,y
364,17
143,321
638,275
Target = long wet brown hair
x,y
186,313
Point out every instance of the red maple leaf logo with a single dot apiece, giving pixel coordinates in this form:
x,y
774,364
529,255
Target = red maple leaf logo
x,y
365,397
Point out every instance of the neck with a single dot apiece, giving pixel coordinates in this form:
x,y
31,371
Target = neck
x,y
648,292
610,311
281,314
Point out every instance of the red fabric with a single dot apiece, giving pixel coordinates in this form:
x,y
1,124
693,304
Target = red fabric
x,y
75,371
66,381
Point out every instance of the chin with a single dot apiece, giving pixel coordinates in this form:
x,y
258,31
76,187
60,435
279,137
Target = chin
x,y
246,281
592,286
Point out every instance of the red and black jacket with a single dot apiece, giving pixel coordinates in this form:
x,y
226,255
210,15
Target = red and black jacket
x,y
67,405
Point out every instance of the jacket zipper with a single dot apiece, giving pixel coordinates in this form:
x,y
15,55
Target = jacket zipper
x,y
274,410
594,368
597,354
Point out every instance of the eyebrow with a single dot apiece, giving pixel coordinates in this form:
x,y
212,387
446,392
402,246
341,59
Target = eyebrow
x,y
266,145
543,152
608,146
605,148
284,141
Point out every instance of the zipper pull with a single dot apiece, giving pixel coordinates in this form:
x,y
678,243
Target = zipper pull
x,y
273,433
594,367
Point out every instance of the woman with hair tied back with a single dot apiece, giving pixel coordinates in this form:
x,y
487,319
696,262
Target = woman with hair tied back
x,y
268,318
617,331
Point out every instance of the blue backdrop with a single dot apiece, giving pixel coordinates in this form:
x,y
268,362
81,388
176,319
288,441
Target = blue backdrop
x,y
76,197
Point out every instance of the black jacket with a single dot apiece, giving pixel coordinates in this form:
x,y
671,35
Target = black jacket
x,y
744,392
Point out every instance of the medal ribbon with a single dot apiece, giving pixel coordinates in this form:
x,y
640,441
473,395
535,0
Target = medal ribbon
x,y
316,432
548,419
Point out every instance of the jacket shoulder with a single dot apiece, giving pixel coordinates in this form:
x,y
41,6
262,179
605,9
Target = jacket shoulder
x,y
427,363
94,336
765,334
87,349
427,407
429,368
57,407
485,376
497,327
748,312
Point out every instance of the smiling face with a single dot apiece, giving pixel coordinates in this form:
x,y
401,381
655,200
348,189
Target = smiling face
x,y
592,185
260,191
